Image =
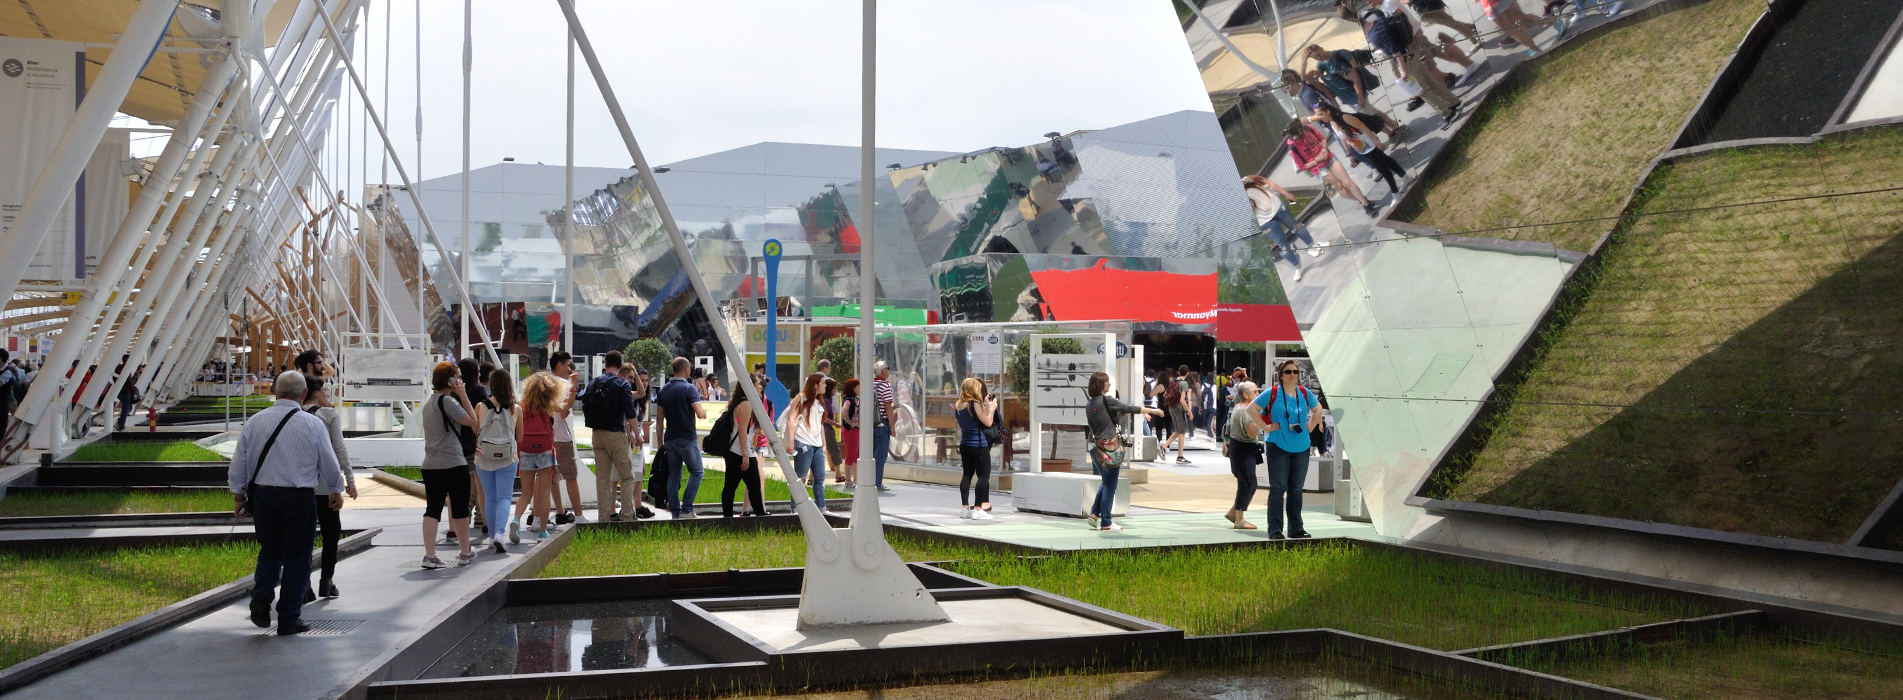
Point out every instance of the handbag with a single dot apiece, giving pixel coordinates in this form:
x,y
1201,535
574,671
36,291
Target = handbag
x,y
251,489
993,433
1112,451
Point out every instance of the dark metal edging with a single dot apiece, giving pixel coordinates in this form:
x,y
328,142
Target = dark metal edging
x,y
12,677
123,520
1862,83
1888,516
1585,645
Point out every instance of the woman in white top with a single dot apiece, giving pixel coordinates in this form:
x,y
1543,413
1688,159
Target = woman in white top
x,y
805,421
1272,216
329,522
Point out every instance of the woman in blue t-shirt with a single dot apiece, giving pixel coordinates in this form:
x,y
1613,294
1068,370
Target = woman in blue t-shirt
x,y
1291,413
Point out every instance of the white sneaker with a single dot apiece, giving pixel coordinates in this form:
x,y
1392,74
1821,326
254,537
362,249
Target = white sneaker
x,y
964,513
1314,251
980,514
1614,10
1298,274
515,537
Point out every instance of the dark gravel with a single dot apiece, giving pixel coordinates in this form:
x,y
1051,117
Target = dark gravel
x,y
1806,70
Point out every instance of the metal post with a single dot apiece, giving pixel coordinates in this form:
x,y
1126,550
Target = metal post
x,y
867,509
462,264
568,214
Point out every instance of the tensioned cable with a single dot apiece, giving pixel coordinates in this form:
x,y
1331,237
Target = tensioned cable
x,y
1700,409
1621,217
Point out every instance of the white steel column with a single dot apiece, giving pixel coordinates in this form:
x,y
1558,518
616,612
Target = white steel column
x,y
568,214
462,263
54,185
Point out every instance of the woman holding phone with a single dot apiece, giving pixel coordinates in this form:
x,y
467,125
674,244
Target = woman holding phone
x,y
976,410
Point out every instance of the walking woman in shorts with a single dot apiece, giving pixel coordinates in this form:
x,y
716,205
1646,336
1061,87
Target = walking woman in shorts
x,y
445,470
541,407
1244,436
1292,413
975,411
496,459
1309,149
329,522
743,462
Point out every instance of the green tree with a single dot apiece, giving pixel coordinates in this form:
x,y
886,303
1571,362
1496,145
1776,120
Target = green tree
x,y
649,354
1018,365
843,353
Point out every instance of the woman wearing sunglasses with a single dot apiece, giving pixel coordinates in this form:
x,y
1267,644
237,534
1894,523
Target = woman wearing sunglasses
x,y
1291,413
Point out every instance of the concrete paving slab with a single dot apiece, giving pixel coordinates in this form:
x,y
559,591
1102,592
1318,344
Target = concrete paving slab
x,y
980,620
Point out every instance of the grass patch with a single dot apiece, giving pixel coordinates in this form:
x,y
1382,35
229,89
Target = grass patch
x,y
172,451
217,405
1369,591
411,473
771,489
667,548
1754,667
1569,143
43,503
1731,369
56,599
1319,678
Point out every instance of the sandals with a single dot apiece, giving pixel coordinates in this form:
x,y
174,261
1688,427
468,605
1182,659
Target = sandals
x,y
1244,525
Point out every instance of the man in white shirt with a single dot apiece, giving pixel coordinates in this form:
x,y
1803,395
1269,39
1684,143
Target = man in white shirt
x,y
283,455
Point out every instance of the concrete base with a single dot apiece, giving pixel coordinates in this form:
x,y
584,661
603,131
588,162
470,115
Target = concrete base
x,y
1065,494
983,620
945,475
385,451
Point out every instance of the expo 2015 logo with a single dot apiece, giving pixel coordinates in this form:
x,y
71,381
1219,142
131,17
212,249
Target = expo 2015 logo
x,y
13,67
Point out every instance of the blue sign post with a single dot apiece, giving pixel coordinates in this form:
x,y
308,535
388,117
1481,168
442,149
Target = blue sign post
x,y
776,393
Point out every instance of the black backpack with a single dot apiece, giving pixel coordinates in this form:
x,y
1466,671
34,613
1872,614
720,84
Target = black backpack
x,y
719,440
599,410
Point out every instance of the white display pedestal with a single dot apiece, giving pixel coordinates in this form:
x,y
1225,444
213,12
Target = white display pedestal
x,y
1062,494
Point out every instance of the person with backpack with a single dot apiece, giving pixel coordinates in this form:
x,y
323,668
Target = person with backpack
x,y
475,378
978,426
1308,150
1291,414
1107,450
1394,35
744,443
283,455
128,398
608,409
445,468
330,523
537,452
1176,401
1347,78
500,419
1357,140
12,387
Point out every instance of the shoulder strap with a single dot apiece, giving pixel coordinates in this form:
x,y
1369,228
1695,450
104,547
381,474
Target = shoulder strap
x,y
258,468
451,427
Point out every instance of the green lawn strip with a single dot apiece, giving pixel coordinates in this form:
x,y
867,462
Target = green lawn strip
x,y
43,503
1768,308
56,599
667,548
1376,592
712,480
1385,594
1569,143
172,451
1325,676
411,473
1753,667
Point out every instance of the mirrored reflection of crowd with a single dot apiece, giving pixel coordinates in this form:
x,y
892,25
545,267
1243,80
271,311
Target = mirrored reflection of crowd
x,y
1420,52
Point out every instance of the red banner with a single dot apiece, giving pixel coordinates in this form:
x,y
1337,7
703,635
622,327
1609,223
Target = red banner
x,y
1256,323
1102,293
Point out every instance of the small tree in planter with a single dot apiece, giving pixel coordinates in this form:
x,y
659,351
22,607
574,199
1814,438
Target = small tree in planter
x,y
843,353
649,354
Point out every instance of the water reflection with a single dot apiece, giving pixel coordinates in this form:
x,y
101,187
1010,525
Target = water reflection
x,y
564,638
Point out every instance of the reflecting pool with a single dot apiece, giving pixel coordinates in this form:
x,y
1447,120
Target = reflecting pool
x,y
564,638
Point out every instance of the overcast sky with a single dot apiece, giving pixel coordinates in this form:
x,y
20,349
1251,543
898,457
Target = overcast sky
x,y
700,77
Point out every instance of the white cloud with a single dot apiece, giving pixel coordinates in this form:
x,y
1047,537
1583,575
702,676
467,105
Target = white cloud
x,y
700,77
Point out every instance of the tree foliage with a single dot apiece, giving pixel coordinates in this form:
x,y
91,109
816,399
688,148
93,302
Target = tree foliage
x,y
649,354
842,352
1018,365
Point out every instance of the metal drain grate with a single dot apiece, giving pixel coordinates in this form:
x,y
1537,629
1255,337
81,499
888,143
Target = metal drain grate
x,y
331,627
1440,375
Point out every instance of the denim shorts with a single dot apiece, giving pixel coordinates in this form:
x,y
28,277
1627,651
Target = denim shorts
x,y
535,461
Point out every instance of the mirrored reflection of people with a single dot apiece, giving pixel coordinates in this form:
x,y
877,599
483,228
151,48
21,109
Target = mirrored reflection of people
x,y
1357,140
1100,423
1292,414
976,410
1243,433
1309,149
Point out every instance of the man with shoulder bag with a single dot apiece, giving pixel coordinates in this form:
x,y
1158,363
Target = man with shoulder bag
x,y
1109,447
283,455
